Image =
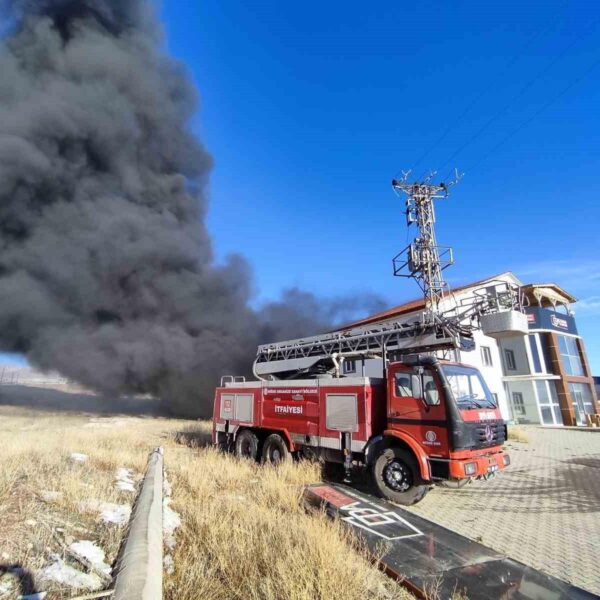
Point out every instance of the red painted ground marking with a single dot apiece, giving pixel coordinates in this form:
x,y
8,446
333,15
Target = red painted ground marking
x,y
332,496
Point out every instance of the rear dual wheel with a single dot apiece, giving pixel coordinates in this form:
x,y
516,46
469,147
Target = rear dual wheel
x,y
396,477
246,445
275,450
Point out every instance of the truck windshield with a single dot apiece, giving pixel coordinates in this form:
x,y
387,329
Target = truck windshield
x,y
468,387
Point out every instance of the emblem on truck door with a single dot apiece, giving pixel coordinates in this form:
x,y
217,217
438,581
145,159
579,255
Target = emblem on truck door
x,y
431,439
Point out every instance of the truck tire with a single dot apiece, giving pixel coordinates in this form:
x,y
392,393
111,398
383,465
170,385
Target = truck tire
x,y
275,450
396,477
246,445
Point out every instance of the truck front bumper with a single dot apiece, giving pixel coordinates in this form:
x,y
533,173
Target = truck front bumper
x,y
478,466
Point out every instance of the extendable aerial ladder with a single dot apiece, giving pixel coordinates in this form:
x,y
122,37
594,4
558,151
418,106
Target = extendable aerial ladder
x,y
495,309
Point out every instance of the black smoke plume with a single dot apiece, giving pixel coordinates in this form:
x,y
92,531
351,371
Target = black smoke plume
x,y
106,268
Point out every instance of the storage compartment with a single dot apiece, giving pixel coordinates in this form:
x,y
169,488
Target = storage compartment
x,y
341,412
237,407
243,407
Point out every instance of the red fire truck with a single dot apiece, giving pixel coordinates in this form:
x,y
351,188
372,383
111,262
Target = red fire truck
x,y
423,420
428,421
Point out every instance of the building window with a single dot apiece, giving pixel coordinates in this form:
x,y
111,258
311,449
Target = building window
x,y
581,395
546,354
548,402
555,404
518,404
486,356
569,353
535,354
349,366
509,359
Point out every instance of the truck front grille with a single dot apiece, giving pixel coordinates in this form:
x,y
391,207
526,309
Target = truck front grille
x,y
489,434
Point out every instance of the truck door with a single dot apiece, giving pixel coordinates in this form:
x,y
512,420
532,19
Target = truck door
x,y
416,405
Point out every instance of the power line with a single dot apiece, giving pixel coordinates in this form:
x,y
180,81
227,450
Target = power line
x,y
521,93
543,108
479,96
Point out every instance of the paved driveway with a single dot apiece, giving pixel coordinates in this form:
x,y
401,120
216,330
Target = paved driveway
x,y
544,510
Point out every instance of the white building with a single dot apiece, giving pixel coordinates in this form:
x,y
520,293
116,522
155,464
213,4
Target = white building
x,y
543,377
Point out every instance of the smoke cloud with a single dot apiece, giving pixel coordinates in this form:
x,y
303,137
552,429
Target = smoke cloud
x,y
106,268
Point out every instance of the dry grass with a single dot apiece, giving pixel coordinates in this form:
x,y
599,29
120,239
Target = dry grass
x,y
35,459
247,536
518,434
244,534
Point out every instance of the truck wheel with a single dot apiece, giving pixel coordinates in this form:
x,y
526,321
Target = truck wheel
x,y
396,477
275,450
246,445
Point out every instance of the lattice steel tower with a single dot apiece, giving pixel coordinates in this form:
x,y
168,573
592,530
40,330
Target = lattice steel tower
x,y
423,260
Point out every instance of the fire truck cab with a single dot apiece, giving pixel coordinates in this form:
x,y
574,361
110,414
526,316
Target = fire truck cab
x,y
426,421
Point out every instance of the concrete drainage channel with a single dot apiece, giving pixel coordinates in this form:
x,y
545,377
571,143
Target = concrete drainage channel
x,y
139,567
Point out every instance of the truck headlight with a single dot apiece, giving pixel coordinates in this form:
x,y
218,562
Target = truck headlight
x,y
470,468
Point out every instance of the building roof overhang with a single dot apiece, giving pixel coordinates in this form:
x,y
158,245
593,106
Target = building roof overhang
x,y
547,294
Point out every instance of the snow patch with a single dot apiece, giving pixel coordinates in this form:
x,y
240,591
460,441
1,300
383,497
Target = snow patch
x,y
171,518
50,496
169,564
118,514
63,574
167,489
171,521
6,587
109,423
78,457
93,554
124,479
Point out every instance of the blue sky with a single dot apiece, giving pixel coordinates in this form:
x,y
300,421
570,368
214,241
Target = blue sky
x,y
311,108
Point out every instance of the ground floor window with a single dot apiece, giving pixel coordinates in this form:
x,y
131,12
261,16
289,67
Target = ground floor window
x,y
581,395
518,404
548,402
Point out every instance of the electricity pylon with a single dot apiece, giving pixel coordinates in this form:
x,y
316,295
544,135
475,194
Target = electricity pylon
x,y
423,260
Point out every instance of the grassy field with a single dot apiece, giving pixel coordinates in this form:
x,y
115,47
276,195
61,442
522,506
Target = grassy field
x,y
244,532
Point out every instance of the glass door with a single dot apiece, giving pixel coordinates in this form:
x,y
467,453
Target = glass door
x,y
548,403
578,406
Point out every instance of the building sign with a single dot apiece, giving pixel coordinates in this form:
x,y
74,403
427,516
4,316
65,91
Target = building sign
x,y
546,318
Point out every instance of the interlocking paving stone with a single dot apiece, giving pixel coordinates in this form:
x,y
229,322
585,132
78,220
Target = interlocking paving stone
x,y
544,510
